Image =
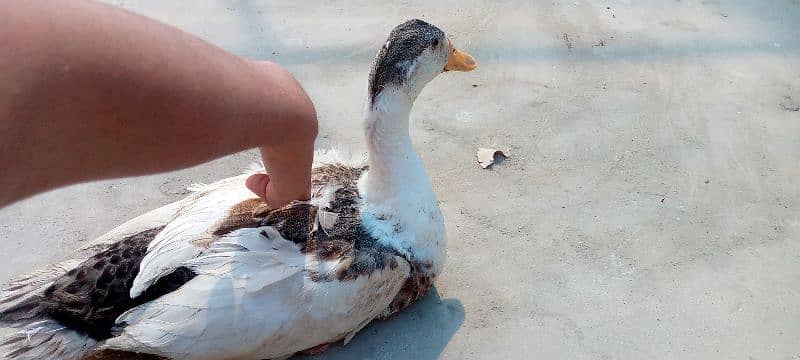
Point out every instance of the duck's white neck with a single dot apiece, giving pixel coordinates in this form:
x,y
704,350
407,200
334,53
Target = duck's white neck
x,y
400,207
392,159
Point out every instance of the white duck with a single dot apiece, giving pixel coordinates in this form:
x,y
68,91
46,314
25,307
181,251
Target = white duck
x,y
218,275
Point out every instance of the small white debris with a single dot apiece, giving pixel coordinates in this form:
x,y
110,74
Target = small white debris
x,y
486,156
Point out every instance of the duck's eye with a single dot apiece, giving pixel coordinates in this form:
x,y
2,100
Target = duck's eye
x,y
435,43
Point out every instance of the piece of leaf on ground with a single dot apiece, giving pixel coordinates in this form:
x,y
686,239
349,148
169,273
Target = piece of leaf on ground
x,y
486,156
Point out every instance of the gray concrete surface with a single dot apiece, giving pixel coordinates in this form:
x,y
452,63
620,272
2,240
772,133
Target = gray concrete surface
x,y
650,206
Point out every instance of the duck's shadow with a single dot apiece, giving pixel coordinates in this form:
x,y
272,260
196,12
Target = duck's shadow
x,y
421,331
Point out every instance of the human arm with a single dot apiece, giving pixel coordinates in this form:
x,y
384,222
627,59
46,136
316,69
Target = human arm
x,y
89,91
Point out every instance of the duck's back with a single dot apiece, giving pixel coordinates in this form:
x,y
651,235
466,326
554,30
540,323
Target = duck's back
x,y
221,276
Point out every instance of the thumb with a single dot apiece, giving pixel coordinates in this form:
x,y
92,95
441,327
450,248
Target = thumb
x,y
257,183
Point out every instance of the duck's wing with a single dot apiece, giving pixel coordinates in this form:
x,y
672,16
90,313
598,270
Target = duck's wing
x,y
226,205
32,284
278,295
192,227
24,301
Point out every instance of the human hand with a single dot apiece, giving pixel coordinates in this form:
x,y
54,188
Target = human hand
x,y
287,148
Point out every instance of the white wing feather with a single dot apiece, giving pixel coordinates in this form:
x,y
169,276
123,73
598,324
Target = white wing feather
x,y
192,222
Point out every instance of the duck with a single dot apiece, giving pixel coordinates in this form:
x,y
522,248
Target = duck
x,y
221,275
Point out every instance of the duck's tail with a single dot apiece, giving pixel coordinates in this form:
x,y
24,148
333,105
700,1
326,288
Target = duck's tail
x,y
46,340
37,336
25,289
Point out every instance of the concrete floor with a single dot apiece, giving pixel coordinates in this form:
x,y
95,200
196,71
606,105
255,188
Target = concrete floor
x,y
650,206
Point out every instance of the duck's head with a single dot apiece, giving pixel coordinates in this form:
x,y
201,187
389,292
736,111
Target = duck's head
x,y
412,56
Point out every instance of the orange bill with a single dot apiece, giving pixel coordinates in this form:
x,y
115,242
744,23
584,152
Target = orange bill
x,y
460,61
